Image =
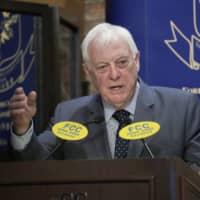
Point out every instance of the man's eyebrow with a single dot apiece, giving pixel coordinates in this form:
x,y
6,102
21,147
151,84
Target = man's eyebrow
x,y
122,57
102,62
107,61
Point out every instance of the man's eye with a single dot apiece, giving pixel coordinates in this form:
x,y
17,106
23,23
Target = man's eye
x,y
122,63
101,68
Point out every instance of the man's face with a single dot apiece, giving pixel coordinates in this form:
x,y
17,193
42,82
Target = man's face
x,y
113,71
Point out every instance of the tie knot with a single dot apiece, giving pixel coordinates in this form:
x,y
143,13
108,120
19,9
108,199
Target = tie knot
x,y
122,116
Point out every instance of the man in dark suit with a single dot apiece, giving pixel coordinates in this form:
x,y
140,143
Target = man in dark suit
x,y
111,63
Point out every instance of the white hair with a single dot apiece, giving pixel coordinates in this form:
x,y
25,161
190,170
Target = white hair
x,y
104,33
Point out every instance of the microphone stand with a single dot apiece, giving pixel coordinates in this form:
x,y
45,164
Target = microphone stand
x,y
147,148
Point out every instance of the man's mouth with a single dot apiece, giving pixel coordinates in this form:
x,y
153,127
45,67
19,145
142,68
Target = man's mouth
x,y
117,87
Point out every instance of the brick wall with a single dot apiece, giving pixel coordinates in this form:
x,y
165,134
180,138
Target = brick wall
x,y
94,13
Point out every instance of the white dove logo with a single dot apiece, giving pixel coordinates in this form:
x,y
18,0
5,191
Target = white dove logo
x,y
192,44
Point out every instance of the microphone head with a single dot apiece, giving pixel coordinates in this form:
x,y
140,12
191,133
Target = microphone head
x,y
139,130
69,130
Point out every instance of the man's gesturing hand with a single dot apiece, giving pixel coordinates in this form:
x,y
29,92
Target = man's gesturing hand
x,y
22,109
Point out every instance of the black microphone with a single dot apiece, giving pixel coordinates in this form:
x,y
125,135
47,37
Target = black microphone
x,y
60,144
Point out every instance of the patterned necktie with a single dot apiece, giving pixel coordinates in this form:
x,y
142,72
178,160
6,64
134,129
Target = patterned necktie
x,y
121,145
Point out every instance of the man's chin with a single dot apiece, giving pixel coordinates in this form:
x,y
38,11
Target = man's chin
x,y
118,103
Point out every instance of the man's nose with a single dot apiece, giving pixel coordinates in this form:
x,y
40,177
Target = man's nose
x,y
114,71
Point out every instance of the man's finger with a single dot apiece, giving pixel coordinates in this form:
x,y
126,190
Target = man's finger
x,y
32,96
19,90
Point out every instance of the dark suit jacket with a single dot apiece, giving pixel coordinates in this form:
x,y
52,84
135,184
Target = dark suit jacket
x,y
177,112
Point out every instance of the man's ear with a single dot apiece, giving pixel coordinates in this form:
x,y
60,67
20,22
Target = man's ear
x,y
87,72
137,60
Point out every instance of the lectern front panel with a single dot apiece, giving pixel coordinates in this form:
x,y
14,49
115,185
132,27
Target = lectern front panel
x,y
90,191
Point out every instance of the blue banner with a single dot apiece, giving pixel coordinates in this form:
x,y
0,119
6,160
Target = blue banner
x,y
168,36
17,64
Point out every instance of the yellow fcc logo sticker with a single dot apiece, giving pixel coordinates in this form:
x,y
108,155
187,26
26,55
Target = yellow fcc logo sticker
x,y
139,130
68,130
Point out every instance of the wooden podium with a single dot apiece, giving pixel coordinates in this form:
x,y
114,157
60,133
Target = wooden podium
x,y
131,179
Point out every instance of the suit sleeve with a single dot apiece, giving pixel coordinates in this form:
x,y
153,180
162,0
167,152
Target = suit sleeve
x,y
192,133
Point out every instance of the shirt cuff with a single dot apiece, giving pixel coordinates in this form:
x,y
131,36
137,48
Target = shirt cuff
x,y
19,142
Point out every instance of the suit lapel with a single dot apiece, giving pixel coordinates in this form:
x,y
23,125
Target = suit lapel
x,y
144,112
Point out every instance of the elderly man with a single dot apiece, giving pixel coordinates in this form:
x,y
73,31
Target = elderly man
x,y
111,63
